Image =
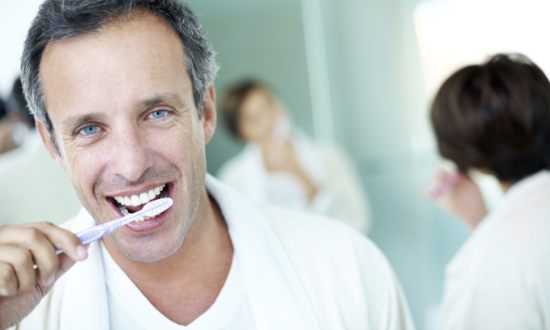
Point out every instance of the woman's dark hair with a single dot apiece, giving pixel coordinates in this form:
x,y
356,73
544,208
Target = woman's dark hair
x,y
496,117
233,99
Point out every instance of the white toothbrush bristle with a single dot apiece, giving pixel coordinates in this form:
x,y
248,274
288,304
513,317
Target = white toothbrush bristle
x,y
156,207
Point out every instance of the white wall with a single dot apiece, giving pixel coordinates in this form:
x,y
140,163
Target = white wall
x,y
15,19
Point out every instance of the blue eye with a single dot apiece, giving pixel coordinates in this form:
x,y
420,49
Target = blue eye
x,y
158,114
89,130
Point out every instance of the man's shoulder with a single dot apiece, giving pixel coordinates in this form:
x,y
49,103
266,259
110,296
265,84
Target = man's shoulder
x,y
300,224
305,235
339,269
298,232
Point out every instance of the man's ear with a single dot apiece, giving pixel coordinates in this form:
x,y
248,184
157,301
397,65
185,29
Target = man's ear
x,y
48,142
209,115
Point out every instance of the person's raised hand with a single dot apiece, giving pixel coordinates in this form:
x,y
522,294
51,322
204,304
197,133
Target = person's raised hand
x,y
29,265
459,195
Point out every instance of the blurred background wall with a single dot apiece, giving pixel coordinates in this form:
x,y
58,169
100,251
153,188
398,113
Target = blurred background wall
x,y
359,73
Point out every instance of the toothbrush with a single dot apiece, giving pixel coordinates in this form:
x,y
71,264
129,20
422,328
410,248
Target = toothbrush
x,y
150,210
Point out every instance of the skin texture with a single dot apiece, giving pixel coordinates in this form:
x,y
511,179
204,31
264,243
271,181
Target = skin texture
x,y
120,101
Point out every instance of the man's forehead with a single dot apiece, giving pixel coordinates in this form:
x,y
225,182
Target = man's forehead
x,y
117,57
126,29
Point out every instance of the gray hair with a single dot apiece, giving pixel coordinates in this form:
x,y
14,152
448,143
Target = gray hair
x,y
59,19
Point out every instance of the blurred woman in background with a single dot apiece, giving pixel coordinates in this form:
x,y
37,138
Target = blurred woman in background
x,y
282,166
16,123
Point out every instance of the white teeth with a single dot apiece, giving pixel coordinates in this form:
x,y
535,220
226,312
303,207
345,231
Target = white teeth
x,y
144,198
139,199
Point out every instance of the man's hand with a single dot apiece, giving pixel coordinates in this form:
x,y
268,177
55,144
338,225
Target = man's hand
x,y
459,195
22,284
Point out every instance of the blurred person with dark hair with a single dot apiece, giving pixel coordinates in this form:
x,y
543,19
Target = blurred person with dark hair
x,y
16,121
13,128
495,118
5,132
280,165
3,110
6,141
17,104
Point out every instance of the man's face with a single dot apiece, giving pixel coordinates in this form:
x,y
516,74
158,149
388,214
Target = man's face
x,y
121,103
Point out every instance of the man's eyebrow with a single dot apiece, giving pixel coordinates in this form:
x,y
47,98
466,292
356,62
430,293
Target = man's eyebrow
x,y
164,98
76,121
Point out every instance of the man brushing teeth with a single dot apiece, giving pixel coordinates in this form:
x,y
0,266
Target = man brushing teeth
x,y
124,101
133,203
137,200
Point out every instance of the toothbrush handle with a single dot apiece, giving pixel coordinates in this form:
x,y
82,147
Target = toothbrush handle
x,y
90,235
93,234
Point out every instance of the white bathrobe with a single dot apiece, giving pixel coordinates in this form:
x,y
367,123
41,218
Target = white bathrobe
x,y
500,278
299,272
340,195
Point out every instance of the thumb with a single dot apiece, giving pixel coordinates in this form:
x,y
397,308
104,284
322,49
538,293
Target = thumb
x,y
65,263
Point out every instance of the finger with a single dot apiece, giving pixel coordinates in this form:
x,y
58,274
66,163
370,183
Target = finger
x,y
20,259
40,239
64,240
42,250
65,264
8,280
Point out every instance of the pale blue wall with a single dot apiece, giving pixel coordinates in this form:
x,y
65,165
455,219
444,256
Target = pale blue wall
x,y
381,118
263,39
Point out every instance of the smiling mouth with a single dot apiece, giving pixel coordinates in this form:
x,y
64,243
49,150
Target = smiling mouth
x,y
135,202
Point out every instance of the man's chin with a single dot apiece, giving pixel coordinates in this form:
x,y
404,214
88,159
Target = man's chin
x,y
148,252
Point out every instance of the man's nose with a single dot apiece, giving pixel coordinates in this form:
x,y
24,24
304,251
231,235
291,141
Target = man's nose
x,y
130,156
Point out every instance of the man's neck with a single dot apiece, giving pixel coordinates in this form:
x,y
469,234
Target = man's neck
x,y
193,276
